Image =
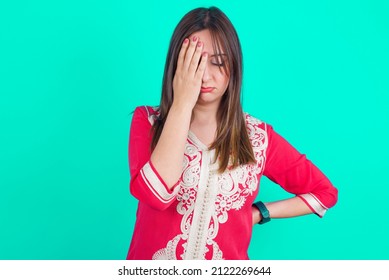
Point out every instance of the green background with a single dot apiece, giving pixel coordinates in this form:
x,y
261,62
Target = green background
x,y
71,72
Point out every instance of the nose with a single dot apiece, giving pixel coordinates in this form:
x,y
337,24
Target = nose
x,y
207,74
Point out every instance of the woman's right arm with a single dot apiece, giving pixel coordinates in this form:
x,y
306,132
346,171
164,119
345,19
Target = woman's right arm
x,y
154,177
146,184
168,155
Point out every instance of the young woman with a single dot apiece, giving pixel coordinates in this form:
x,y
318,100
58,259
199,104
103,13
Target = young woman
x,y
196,160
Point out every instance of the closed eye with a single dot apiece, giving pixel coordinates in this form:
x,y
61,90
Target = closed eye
x,y
217,64
218,59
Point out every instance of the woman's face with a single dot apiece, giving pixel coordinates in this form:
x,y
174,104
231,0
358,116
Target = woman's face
x,y
215,80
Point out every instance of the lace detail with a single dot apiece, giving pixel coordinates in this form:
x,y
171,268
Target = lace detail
x,y
152,114
205,198
168,253
236,185
186,198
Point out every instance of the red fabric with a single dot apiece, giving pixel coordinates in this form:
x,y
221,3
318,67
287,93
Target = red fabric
x,y
160,228
139,155
294,172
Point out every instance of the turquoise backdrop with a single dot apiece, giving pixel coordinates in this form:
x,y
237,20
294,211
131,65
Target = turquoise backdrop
x,y
71,72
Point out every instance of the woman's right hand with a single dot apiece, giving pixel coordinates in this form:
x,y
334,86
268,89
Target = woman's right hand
x,y
189,73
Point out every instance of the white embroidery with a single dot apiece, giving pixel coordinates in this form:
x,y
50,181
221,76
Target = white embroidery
x,y
168,253
235,186
156,186
152,116
205,197
315,203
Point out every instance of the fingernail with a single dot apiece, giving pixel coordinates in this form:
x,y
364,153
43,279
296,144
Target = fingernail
x,y
205,54
199,44
194,38
186,41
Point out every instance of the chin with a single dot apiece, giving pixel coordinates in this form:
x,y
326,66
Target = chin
x,y
208,99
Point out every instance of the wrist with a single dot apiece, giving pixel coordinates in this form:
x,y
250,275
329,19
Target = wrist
x,y
257,217
181,107
263,212
181,113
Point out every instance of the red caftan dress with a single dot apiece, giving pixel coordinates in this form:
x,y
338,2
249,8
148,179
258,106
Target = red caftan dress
x,y
208,215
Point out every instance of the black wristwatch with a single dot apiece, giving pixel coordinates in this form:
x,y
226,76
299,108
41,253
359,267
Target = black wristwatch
x,y
264,212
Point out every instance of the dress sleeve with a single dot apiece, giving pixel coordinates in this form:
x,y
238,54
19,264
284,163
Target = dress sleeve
x,y
297,174
146,184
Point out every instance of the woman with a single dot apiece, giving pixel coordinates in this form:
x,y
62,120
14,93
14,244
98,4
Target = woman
x,y
196,160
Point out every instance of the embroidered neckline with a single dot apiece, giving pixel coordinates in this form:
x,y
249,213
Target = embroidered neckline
x,y
197,141
206,198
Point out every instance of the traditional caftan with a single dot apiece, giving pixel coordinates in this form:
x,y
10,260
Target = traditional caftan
x,y
207,215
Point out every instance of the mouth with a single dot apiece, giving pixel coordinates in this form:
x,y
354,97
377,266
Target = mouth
x,y
206,89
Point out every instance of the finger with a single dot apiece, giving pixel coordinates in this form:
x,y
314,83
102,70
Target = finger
x,y
189,53
182,53
202,65
196,58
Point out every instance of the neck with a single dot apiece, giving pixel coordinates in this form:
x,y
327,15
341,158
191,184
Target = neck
x,y
205,115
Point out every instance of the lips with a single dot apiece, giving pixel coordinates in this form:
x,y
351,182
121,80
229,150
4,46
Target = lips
x,y
206,89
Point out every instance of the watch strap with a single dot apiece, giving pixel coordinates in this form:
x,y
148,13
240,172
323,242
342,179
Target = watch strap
x,y
264,212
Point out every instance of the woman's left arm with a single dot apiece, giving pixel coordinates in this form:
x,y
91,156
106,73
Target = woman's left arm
x,y
297,175
287,208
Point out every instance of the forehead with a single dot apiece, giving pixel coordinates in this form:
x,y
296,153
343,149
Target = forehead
x,y
206,38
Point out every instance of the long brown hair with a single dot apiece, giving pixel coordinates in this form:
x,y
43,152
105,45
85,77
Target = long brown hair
x,y
232,142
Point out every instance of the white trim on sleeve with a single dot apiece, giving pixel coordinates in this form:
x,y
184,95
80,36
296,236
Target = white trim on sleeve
x,y
315,203
156,186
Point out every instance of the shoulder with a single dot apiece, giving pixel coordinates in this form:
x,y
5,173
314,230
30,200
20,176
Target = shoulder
x,y
258,131
255,123
149,113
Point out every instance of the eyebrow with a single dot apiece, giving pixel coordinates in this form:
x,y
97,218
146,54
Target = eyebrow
x,y
218,54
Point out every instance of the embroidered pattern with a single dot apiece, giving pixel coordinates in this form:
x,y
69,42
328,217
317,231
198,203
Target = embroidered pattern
x,y
235,186
204,208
